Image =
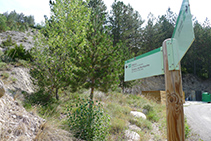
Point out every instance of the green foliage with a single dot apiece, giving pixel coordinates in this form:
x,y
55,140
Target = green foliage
x,y
148,107
151,114
47,105
3,26
5,75
39,98
3,66
143,124
8,42
15,21
187,129
98,62
126,30
53,66
18,52
88,121
118,125
119,111
13,79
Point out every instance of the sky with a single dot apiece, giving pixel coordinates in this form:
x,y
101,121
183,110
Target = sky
x,y
199,8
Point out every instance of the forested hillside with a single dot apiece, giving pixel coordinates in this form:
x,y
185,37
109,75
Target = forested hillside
x,y
124,25
83,46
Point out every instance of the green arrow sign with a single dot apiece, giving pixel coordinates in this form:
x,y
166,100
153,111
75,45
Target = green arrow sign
x,y
145,65
182,37
151,63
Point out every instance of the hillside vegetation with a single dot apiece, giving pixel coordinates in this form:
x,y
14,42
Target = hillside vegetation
x,y
70,71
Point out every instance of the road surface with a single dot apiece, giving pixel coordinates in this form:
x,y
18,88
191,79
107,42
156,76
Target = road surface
x,y
199,118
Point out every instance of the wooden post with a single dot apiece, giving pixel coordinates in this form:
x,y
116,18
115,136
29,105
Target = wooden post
x,y
174,103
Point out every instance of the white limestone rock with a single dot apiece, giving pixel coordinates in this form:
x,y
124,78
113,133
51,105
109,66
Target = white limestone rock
x,y
138,114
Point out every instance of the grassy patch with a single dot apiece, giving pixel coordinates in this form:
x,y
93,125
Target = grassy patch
x,y
142,123
187,129
118,106
8,42
5,75
13,79
4,66
118,125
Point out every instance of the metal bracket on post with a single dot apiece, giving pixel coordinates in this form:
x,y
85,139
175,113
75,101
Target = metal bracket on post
x,y
170,53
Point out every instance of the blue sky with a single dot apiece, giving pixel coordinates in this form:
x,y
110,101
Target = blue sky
x,y
199,8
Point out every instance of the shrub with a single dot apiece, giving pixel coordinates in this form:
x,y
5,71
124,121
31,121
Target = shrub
x,y
18,53
1,53
151,113
40,98
3,66
142,123
152,116
13,79
47,105
148,107
5,75
118,125
87,121
187,129
21,62
8,42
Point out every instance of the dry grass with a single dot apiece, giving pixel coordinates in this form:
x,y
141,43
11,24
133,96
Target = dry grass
x,y
118,106
49,131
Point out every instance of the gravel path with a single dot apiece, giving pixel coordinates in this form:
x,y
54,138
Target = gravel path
x,y
199,118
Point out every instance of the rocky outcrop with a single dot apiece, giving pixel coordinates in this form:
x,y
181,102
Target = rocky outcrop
x,y
24,38
157,83
2,89
132,136
138,114
16,122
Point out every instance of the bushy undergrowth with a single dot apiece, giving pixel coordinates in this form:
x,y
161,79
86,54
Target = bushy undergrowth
x,y
18,52
45,103
88,121
8,42
92,124
151,113
187,129
3,66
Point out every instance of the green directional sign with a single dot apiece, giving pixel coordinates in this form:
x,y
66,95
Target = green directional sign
x,y
145,65
182,37
151,63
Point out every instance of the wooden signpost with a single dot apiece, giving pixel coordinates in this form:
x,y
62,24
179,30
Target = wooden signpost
x,y
166,60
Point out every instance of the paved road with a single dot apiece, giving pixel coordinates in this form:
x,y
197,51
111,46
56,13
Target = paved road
x,y
199,118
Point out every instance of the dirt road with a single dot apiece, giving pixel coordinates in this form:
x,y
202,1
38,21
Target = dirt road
x,y
199,118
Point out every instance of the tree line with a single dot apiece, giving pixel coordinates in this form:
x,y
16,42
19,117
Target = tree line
x,y
84,46
81,45
15,21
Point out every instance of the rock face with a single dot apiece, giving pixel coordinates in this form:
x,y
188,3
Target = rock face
x,y
15,122
132,136
23,83
24,38
189,82
2,89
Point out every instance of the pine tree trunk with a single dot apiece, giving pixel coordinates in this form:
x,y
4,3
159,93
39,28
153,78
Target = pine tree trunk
x,y
92,93
57,96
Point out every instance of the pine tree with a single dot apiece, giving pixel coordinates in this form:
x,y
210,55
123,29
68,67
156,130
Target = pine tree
x,y
3,26
126,30
53,57
99,60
